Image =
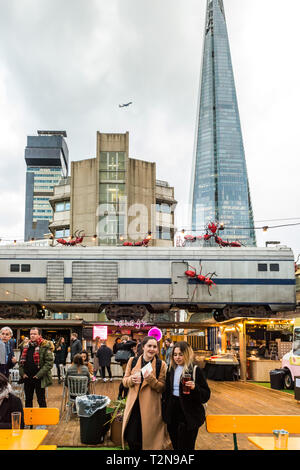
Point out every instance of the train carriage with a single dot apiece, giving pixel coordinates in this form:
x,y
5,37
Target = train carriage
x,y
128,282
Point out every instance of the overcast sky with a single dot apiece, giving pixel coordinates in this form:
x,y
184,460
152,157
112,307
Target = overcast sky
x,y
67,64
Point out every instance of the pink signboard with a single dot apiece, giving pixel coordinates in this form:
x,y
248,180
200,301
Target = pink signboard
x,y
100,331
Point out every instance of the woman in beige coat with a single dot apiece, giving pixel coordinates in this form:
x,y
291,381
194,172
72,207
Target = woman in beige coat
x,y
143,427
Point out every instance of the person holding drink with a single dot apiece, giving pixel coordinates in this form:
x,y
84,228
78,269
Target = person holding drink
x,y
186,392
10,406
143,427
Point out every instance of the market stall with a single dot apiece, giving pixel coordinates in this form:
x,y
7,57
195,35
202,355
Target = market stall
x,y
258,344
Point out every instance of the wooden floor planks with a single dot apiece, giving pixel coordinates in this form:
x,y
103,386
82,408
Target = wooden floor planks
x,y
226,398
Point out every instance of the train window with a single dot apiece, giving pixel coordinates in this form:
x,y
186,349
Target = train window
x,y
14,268
25,268
262,267
274,267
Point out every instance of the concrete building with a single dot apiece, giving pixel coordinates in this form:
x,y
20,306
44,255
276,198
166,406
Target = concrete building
x,y
47,160
60,204
112,198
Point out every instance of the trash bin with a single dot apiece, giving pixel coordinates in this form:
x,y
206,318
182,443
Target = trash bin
x,y
277,379
91,410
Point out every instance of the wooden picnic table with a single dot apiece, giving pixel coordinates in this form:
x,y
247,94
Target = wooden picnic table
x,y
27,439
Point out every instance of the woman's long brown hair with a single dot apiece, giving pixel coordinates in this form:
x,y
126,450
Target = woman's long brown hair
x,y
188,355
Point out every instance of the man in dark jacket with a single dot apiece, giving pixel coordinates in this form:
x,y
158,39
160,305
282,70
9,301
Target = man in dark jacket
x,y
104,354
76,346
35,367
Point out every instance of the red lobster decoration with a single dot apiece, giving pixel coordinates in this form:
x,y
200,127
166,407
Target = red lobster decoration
x,y
74,241
213,228
207,280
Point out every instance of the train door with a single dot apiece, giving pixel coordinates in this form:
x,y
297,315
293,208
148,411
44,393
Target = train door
x,y
179,281
55,289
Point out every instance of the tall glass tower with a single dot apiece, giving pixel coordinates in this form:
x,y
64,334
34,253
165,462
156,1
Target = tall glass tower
x,y
220,189
47,160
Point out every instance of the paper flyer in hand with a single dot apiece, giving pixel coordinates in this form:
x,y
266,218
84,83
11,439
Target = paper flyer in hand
x,y
147,367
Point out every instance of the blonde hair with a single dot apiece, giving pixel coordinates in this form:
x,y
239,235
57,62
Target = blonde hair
x,y
188,355
125,338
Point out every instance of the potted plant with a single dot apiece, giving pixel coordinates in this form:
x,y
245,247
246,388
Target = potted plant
x,y
116,411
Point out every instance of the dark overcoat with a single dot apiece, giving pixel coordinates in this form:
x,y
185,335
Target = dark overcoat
x,y
191,404
104,354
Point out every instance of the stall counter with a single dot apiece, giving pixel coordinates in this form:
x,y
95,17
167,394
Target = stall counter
x,y
259,369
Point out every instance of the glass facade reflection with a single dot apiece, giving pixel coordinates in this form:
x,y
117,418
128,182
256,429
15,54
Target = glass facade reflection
x,y
220,189
111,192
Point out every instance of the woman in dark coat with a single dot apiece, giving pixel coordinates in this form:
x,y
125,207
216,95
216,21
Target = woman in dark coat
x,y
184,413
8,404
60,355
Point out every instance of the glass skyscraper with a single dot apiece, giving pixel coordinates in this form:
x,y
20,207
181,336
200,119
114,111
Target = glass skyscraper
x,y
47,160
220,189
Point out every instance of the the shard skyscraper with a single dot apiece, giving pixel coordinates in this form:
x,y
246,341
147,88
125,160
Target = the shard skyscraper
x,y
219,186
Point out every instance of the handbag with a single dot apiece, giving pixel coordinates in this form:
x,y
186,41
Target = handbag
x,y
122,355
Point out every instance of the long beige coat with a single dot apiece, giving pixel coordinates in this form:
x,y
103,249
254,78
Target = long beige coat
x,y
154,430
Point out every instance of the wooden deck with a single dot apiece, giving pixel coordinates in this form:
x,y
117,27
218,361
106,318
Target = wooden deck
x,y
226,398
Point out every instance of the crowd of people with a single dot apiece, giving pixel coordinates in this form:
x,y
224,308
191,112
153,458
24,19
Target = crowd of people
x,y
164,397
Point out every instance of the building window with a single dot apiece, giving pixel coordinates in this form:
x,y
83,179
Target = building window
x,y
14,268
165,208
62,233
62,206
163,233
25,268
262,267
274,267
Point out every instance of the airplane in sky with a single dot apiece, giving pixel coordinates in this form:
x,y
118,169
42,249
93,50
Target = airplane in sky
x,y
125,104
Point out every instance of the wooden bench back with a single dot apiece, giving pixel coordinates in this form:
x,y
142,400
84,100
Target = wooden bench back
x,y
258,424
41,416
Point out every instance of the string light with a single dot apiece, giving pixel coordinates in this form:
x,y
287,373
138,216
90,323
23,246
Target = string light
x,y
222,226
15,294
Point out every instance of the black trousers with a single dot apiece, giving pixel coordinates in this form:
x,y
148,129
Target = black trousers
x,y
103,371
133,431
31,386
183,436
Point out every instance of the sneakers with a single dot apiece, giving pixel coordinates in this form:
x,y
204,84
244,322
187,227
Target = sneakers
x,y
105,380
110,380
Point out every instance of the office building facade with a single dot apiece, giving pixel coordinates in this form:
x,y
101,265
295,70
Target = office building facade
x,y
219,186
47,160
113,198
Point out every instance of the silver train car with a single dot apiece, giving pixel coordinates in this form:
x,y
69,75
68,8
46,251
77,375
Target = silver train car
x,y
128,282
